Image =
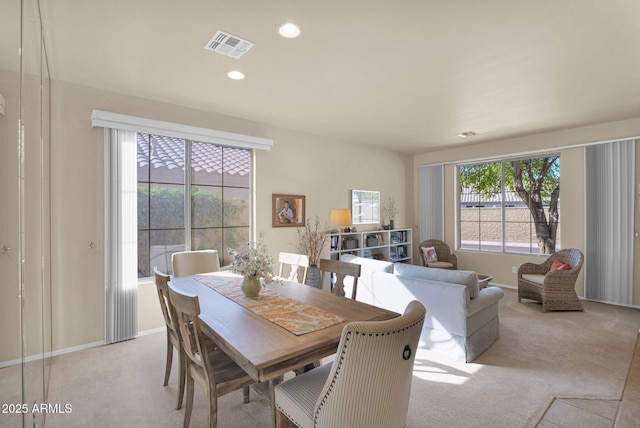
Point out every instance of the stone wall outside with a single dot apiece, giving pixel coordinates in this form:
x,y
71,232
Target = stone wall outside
x,y
518,225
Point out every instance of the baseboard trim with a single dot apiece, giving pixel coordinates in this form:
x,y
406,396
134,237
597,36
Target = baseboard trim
x,y
152,331
52,354
72,349
513,287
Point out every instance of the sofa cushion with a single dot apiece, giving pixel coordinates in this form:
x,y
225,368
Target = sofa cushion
x,y
440,265
537,279
430,254
368,264
558,265
468,278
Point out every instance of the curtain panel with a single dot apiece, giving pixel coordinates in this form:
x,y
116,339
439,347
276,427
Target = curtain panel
x,y
431,185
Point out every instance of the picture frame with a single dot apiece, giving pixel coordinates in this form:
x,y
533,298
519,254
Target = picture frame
x,y
288,210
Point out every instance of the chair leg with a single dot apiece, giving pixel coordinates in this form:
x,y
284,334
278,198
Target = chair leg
x,y
281,420
245,394
212,396
183,374
189,407
167,369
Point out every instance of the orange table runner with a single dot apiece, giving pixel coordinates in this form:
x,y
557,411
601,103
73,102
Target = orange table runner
x,y
290,314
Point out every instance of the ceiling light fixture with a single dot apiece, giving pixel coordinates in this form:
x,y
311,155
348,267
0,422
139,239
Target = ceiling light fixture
x,y
466,134
289,30
235,75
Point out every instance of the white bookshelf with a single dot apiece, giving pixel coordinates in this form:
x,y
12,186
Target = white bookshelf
x,y
390,245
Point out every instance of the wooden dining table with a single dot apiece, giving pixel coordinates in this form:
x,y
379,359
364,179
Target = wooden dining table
x,y
262,348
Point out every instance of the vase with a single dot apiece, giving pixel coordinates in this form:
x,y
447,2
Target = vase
x,y
313,277
392,224
251,286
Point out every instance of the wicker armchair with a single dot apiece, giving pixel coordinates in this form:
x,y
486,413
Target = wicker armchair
x,y
446,259
555,289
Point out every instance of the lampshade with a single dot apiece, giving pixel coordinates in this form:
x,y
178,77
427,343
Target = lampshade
x,y
339,217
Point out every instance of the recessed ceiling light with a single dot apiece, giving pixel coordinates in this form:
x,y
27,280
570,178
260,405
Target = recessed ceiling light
x,y
466,134
235,75
289,30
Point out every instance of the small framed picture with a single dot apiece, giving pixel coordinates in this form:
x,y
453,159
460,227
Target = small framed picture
x,y
288,210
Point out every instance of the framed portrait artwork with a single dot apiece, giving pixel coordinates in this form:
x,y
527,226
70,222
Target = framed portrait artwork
x,y
288,210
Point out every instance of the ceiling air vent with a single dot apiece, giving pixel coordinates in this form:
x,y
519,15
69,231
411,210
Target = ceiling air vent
x,y
228,44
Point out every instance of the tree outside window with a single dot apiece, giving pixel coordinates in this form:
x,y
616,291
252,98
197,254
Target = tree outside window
x,y
510,206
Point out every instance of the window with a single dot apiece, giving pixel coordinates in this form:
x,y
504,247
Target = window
x,y
206,208
510,206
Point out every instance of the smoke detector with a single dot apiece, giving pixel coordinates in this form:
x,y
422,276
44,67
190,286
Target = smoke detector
x,y
467,134
228,44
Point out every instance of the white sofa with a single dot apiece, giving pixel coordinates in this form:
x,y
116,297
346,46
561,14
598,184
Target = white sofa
x,y
462,321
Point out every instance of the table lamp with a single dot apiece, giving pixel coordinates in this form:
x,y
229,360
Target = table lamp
x,y
340,217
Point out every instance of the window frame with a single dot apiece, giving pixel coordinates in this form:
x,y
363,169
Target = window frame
x,y
187,186
503,190
111,121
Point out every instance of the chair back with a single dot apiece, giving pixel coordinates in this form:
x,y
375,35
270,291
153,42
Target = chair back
x,y
162,285
193,262
185,309
295,261
340,269
572,256
370,381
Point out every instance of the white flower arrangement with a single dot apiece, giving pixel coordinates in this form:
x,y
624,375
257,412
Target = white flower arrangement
x,y
253,260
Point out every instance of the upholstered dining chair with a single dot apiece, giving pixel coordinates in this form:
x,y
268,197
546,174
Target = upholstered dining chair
x,y
162,285
194,262
294,261
211,368
445,258
367,386
341,270
552,282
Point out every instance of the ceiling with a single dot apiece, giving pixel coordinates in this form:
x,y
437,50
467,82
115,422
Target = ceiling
x,y
407,75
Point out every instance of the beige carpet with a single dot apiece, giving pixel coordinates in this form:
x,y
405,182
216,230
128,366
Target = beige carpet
x,y
538,357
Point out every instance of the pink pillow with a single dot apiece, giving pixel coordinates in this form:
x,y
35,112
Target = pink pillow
x,y
558,265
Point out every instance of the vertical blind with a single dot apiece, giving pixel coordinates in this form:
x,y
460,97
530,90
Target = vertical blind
x,y
431,202
121,237
609,184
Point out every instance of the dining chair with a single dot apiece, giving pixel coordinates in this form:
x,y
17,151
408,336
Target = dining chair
x,y
212,369
162,285
368,384
341,270
294,261
193,262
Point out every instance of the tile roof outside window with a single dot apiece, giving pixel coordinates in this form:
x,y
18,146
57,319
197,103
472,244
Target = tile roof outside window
x,y
468,197
167,152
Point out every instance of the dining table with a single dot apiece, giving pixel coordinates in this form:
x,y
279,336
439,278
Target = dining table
x,y
252,331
